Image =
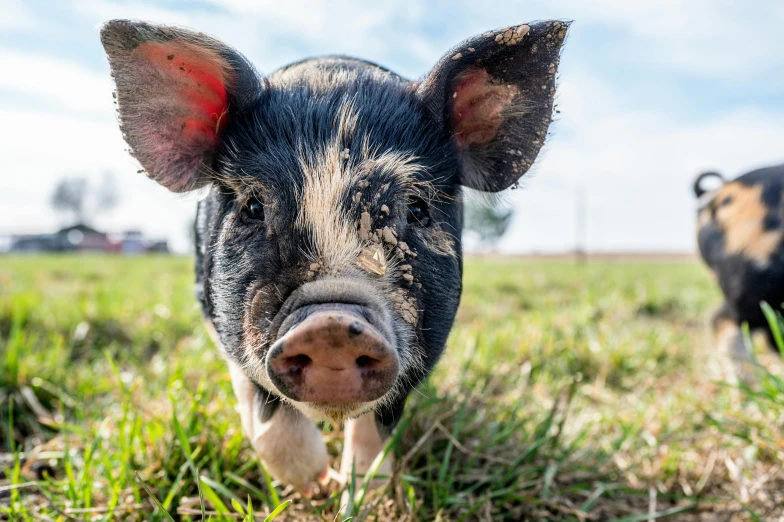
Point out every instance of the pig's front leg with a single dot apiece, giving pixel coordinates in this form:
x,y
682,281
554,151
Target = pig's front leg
x,y
365,438
362,444
732,346
289,445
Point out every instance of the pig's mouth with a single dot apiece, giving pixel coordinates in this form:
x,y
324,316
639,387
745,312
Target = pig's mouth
x,y
335,352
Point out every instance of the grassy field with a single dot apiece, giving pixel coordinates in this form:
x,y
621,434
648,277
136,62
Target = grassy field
x,y
568,392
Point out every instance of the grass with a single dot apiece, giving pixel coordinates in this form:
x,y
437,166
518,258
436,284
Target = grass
x,y
568,392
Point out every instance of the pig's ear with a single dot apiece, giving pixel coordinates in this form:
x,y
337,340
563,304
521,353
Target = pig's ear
x,y
494,96
699,190
177,91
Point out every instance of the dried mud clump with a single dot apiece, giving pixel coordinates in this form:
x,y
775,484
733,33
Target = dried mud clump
x,y
389,236
406,305
512,35
365,224
314,269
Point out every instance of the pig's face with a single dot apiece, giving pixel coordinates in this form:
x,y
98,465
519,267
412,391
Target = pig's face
x,y
328,247
332,240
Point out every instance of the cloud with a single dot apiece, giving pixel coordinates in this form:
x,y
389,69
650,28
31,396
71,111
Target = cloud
x,y
17,16
67,85
704,38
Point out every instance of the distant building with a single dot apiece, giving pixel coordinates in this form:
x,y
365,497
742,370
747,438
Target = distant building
x,y
85,239
38,243
158,247
82,238
132,243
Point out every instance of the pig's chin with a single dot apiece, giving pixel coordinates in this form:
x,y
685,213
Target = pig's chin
x,y
335,415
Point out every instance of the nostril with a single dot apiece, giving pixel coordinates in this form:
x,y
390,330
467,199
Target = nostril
x,y
363,361
297,363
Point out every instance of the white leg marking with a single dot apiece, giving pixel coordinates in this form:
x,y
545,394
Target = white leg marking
x,y
362,444
289,444
732,345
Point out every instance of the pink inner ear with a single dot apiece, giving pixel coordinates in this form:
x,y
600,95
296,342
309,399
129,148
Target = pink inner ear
x,y
477,107
194,81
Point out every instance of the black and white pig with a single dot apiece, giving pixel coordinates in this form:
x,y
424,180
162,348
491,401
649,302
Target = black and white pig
x,y
740,225
328,251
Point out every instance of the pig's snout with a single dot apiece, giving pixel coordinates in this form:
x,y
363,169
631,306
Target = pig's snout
x,y
333,356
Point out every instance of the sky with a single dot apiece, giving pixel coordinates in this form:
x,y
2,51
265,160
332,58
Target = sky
x,y
651,93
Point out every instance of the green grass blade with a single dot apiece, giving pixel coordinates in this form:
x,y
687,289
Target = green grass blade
x,y
186,448
277,511
274,497
213,497
774,321
238,507
220,488
250,488
154,499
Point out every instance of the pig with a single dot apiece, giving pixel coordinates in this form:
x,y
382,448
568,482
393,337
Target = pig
x,y
328,236
739,233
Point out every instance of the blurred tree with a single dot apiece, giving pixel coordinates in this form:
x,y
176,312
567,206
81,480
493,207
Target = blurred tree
x,y
74,198
489,222
69,197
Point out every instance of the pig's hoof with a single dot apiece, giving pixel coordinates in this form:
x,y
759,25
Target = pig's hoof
x,y
325,476
322,480
306,490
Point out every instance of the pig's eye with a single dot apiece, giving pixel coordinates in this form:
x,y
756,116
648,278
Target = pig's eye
x,y
254,210
418,214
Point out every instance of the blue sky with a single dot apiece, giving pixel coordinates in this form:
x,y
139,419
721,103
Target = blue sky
x,y
651,93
